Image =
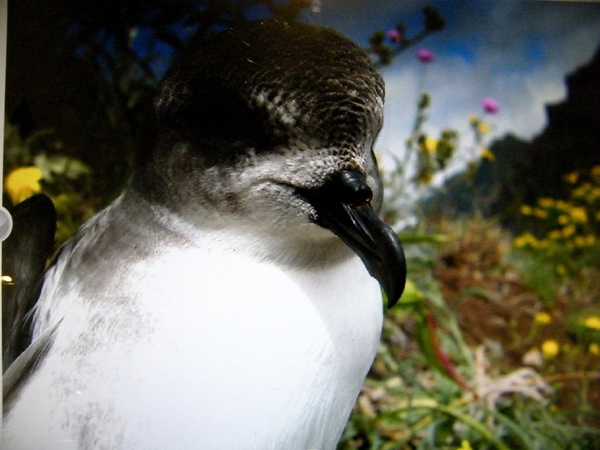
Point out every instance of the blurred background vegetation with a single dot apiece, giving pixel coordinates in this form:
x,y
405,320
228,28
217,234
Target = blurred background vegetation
x,y
496,342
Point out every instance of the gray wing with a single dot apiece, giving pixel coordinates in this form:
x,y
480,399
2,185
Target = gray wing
x,y
24,258
24,366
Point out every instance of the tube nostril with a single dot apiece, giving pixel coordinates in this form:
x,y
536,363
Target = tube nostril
x,y
352,187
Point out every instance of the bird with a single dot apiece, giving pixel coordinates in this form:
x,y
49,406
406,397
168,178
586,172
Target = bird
x,y
231,296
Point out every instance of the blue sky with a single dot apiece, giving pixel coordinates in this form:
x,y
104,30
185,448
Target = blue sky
x,y
517,52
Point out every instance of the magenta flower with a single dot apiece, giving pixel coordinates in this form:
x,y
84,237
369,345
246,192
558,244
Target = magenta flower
x,y
395,36
490,105
425,55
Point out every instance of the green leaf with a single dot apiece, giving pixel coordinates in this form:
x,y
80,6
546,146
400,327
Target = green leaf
x,y
430,344
51,166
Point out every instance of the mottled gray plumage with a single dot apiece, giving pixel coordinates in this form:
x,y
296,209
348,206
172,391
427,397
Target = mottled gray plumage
x,y
289,90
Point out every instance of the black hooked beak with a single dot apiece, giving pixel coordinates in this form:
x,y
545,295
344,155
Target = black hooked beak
x,y
343,206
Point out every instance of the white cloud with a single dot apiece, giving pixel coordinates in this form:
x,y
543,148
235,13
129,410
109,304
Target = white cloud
x,y
521,58
517,52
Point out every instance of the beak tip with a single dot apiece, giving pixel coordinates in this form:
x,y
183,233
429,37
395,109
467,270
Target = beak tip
x,y
394,294
393,276
391,303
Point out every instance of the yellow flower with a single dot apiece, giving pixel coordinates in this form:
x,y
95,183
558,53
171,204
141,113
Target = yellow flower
x,y
569,231
580,241
550,348
465,445
529,240
579,215
561,204
592,322
22,183
594,349
561,270
584,241
554,234
541,213
487,154
546,202
542,318
526,210
484,128
572,177
582,191
520,242
429,145
473,119
563,219
525,240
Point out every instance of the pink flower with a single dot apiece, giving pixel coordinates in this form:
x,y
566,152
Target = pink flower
x,y
395,36
425,55
490,105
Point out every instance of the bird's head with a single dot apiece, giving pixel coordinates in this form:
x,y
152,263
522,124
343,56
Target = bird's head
x,y
272,125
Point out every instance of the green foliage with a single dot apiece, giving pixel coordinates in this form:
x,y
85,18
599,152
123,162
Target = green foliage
x,y
67,181
20,151
426,156
538,274
565,233
585,327
429,389
433,154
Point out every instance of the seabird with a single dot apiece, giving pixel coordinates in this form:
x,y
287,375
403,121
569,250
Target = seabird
x,y
230,297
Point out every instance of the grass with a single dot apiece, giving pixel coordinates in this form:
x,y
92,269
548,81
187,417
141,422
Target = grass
x,y
462,362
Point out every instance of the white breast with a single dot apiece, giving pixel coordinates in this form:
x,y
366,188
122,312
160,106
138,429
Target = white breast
x,y
205,350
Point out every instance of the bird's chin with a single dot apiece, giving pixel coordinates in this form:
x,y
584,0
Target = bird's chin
x,y
311,237
321,236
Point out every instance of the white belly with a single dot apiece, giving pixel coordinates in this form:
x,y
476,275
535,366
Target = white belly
x,y
202,356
